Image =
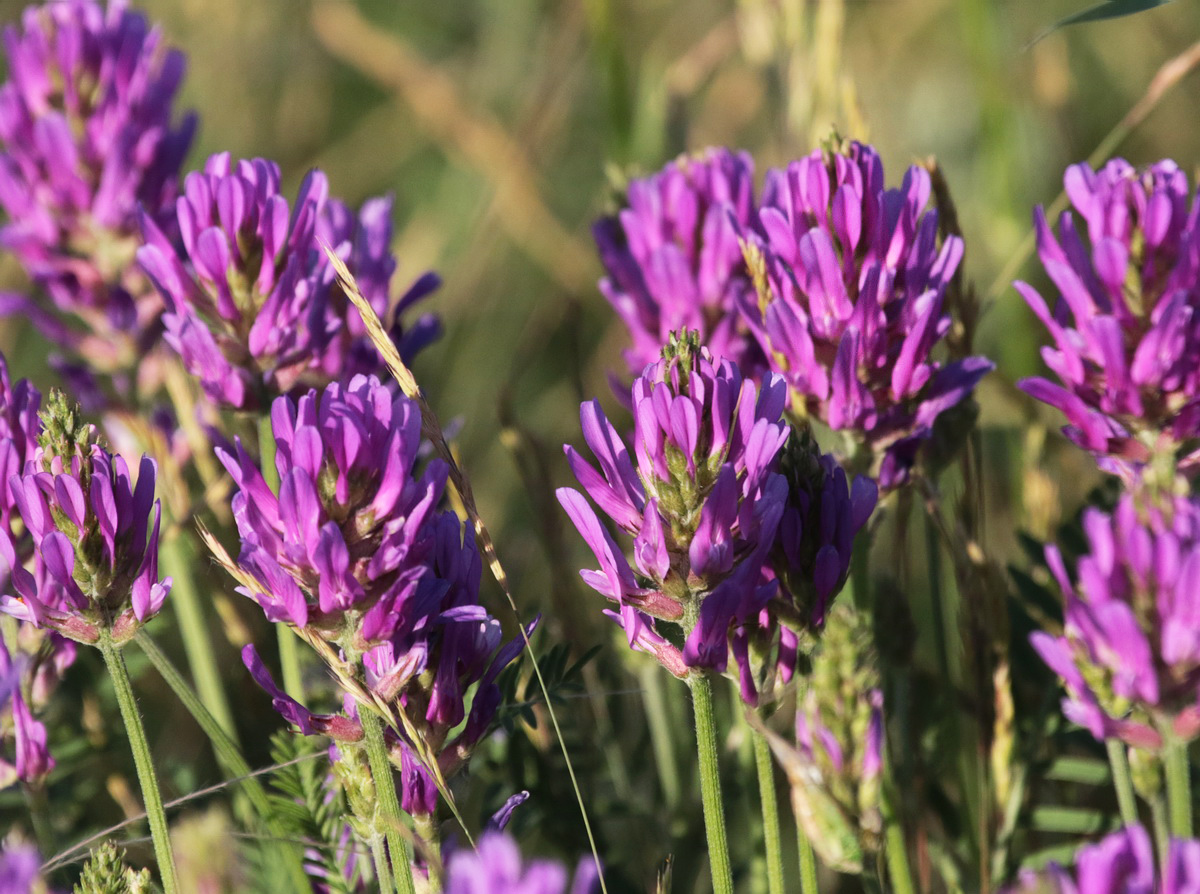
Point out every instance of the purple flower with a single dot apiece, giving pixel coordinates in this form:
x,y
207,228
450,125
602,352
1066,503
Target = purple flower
x,y
86,138
20,869
1126,333
673,261
1130,654
353,550
835,770
496,867
823,515
253,304
1122,863
702,505
850,284
94,532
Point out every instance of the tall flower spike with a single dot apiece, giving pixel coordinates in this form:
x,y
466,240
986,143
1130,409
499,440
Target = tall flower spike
x,y
835,769
87,137
353,550
253,304
702,505
1126,331
496,867
672,257
1121,862
1130,654
850,281
94,532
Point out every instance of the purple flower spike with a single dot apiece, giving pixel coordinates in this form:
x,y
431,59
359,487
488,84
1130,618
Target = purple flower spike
x,y
354,550
850,284
1130,654
835,769
1125,331
253,304
1122,863
703,504
496,867
824,514
94,532
86,139
673,261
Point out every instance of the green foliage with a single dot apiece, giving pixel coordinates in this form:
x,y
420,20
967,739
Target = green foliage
x,y
310,808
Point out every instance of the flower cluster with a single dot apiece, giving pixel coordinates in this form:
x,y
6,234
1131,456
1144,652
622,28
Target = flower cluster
x,y
1126,334
836,768
674,262
496,867
703,504
253,304
94,532
86,138
851,281
1122,863
823,515
1130,652
354,552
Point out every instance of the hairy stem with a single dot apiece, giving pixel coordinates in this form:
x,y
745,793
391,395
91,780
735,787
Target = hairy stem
x,y
1118,759
1179,789
156,816
772,839
710,783
387,805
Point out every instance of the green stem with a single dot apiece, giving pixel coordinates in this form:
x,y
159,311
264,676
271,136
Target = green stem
x,y
1179,788
178,559
1118,759
387,805
710,783
427,831
229,756
895,846
383,872
808,862
772,839
289,651
1162,831
157,817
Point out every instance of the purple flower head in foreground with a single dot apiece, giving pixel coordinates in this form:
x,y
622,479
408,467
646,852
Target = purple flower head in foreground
x,y
86,138
354,553
850,284
496,867
702,505
835,768
21,869
253,304
1130,654
94,532
1126,331
1121,863
673,261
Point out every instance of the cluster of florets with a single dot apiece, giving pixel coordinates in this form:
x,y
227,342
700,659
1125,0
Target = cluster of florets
x,y
496,867
674,262
1122,862
254,307
87,139
354,552
1130,651
851,284
1126,330
94,533
836,768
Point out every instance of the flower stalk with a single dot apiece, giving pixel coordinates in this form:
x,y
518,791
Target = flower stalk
x,y
387,807
155,814
772,839
700,684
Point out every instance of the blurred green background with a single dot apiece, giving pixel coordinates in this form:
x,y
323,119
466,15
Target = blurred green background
x,y
500,125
